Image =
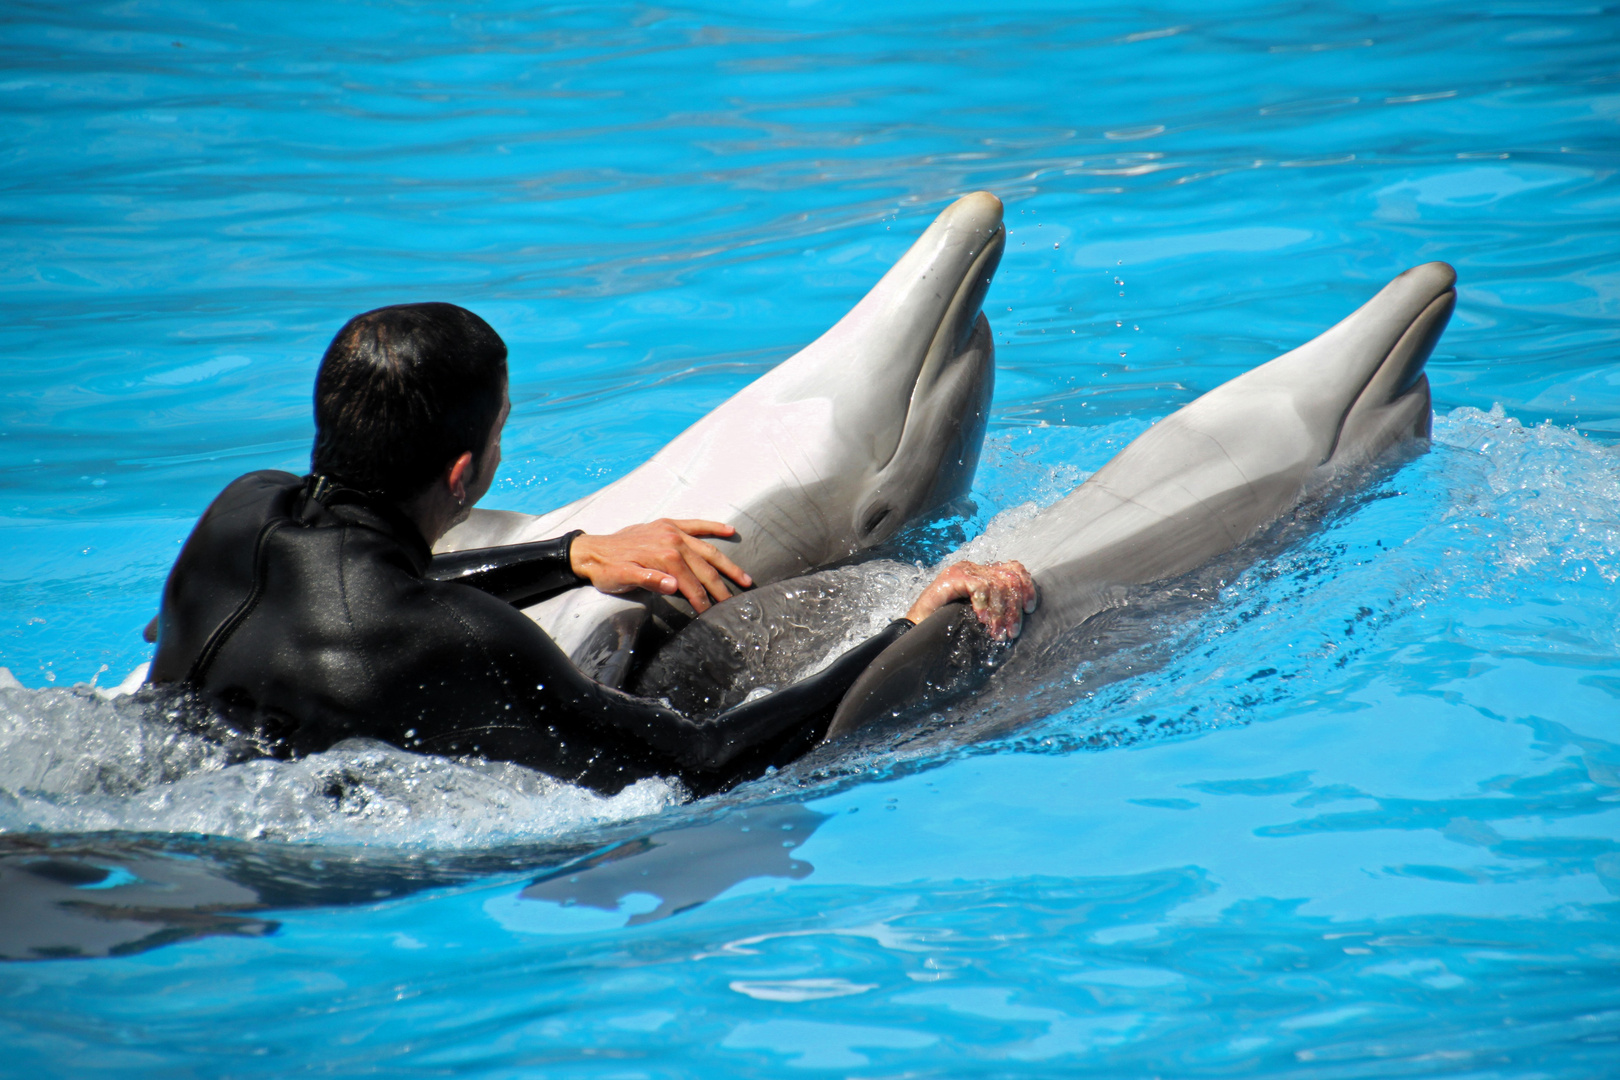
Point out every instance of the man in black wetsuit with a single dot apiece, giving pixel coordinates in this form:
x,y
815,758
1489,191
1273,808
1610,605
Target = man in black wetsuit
x,y
311,609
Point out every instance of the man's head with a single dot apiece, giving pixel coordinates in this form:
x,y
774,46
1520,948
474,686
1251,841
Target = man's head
x,y
402,393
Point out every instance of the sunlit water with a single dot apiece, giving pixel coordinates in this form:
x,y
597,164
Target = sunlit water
x,y
1342,810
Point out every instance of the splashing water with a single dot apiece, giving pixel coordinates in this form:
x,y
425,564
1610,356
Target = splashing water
x,y
1491,502
73,761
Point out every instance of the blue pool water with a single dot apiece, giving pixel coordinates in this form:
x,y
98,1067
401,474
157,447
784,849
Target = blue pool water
x,y
1356,818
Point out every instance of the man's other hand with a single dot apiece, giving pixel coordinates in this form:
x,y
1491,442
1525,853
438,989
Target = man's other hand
x,y
1001,593
662,556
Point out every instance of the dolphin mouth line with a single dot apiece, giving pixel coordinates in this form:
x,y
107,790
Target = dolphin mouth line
x,y
995,244
1423,322
989,254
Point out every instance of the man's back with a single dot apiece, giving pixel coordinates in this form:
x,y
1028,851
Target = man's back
x,y
311,622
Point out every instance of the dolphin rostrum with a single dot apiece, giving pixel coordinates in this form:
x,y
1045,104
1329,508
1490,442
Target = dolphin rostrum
x,y
1197,484
832,451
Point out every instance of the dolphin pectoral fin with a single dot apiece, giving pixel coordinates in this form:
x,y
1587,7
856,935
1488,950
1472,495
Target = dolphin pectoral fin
x,y
598,632
947,655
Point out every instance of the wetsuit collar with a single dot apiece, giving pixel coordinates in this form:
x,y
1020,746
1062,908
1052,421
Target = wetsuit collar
x,y
375,513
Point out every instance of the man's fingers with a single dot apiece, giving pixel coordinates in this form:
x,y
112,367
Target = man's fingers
x,y
686,582
705,573
625,579
699,527
717,558
984,599
1000,594
1026,584
695,578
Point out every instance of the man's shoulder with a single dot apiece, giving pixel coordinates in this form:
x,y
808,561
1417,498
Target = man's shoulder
x,y
253,486
252,493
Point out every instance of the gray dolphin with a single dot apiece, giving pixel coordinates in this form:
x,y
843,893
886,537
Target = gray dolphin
x,y
832,451
1197,484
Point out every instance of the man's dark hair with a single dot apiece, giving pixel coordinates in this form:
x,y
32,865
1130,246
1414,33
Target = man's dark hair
x,y
402,392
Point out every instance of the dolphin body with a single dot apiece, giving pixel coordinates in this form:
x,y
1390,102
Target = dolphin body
x,y
1199,483
832,451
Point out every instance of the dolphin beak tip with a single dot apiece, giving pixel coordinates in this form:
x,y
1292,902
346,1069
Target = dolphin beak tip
x,y
1443,270
1438,275
981,205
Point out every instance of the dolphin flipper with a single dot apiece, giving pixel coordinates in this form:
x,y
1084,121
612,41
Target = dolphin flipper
x,y
1200,482
834,450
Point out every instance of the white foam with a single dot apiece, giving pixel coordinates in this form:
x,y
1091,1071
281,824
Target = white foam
x,y
1551,497
132,682
71,761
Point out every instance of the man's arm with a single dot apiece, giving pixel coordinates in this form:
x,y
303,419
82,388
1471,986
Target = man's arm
x,y
576,728
519,574
710,744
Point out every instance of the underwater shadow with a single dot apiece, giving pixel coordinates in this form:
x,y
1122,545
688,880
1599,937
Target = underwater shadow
x,y
109,895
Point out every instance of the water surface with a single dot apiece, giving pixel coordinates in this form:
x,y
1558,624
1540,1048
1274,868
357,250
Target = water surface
x,y
1351,819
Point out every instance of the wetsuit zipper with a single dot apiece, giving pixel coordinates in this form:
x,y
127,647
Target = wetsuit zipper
x,y
224,630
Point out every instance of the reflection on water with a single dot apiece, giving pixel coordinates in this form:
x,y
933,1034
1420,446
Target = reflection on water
x,y
74,903
687,867
75,897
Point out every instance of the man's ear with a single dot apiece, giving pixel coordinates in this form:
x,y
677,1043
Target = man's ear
x,y
461,472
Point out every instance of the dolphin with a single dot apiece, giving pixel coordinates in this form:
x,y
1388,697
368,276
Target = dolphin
x,y
875,422
1196,485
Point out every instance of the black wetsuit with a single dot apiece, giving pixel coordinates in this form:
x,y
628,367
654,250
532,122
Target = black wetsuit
x,y
311,614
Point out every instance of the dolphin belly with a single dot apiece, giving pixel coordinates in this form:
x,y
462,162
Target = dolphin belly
x,y
777,634
1196,485
833,451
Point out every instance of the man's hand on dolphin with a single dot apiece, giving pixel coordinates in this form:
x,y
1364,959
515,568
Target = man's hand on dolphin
x,y
661,556
1001,593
